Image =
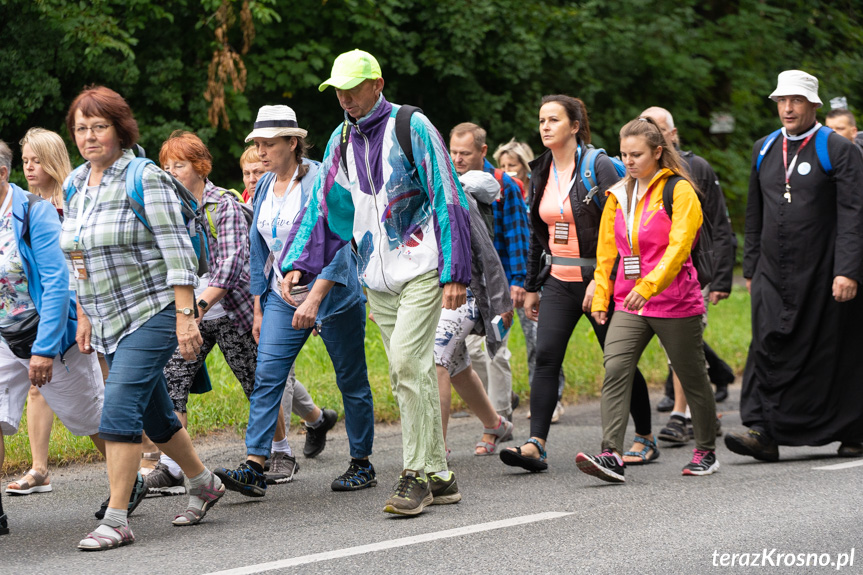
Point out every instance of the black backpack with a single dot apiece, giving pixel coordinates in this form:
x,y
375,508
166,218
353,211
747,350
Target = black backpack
x,y
702,252
403,135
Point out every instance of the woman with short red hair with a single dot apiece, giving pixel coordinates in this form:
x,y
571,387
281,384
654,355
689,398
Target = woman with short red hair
x,y
135,289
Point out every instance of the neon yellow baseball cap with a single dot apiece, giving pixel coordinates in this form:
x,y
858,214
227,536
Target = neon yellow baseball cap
x,y
352,68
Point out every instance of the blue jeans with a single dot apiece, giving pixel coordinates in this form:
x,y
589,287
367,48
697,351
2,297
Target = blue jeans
x,y
344,336
136,394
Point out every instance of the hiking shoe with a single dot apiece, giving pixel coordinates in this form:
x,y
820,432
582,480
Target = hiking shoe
x,y
4,525
243,480
605,466
139,492
316,437
754,444
703,463
665,404
558,411
410,495
356,477
444,491
721,393
514,400
283,467
674,431
160,481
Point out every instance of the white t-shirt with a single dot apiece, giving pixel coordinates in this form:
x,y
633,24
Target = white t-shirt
x,y
216,310
14,295
285,210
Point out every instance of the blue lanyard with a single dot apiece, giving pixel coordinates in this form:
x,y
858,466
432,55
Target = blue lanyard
x,y
560,197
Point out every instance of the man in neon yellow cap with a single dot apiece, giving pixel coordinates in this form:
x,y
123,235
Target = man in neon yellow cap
x,y
398,198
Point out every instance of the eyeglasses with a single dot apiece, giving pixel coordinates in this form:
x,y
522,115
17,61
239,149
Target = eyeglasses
x,y
97,130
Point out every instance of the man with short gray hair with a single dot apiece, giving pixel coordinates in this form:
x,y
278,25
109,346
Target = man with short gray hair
x,y
803,261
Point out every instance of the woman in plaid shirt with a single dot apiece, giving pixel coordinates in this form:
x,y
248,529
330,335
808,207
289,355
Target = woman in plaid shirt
x,y
136,303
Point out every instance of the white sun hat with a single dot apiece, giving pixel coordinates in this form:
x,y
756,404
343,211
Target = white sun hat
x,y
275,121
797,83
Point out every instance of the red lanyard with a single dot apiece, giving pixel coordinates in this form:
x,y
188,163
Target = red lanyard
x,y
787,194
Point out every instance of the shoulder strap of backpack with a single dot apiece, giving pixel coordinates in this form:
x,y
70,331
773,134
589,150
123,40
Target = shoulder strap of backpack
x,y
588,173
343,146
821,149
767,143
403,132
668,193
25,225
70,189
135,188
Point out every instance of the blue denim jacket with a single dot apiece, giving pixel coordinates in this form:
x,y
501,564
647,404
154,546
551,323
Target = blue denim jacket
x,y
47,274
342,270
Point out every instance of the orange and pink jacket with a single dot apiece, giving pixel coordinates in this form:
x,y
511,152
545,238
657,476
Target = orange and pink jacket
x,y
668,279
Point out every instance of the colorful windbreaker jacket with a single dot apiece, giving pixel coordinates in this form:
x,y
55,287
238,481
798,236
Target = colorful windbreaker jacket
x,y
668,278
404,222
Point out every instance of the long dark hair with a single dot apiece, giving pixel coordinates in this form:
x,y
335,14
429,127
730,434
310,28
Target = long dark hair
x,y
575,111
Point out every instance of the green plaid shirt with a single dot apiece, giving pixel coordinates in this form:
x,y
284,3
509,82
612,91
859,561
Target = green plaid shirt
x,y
131,271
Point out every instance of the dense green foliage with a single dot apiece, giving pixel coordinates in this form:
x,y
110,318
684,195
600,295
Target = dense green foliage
x,y
487,61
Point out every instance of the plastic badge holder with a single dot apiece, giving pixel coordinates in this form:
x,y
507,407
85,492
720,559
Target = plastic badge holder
x,y
499,332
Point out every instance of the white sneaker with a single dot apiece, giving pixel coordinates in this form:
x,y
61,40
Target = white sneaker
x,y
558,411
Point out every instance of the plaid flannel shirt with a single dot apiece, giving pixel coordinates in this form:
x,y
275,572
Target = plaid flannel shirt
x,y
511,231
130,270
229,255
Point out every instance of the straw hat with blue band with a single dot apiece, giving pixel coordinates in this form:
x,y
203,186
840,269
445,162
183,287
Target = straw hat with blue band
x,y
275,121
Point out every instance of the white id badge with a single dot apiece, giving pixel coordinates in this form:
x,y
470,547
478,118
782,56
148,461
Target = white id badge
x,y
631,267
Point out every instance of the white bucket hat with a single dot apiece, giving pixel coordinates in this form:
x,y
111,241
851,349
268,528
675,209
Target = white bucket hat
x,y
275,121
797,83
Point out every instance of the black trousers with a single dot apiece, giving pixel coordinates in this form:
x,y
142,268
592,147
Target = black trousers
x,y
559,313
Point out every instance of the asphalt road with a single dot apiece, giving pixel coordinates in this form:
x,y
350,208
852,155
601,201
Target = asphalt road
x,y
561,521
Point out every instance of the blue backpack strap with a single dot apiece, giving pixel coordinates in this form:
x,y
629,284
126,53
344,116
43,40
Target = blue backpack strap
x,y
135,188
821,138
69,185
587,169
767,143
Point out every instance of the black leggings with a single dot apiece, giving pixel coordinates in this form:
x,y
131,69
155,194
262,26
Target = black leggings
x,y
559,313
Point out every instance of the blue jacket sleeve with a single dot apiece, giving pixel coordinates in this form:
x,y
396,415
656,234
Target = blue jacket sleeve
x,y
49,264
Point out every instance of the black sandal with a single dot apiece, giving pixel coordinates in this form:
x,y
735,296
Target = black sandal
x,y
514,458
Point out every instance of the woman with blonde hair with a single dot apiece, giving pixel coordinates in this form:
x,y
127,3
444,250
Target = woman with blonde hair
x,y
655,291
46,165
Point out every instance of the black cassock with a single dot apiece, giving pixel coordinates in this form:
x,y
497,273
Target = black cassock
x,y
803,381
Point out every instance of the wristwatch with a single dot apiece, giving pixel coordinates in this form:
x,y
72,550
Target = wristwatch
x,y
185,311
203,304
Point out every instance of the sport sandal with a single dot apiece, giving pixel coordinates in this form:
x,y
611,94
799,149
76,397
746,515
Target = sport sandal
x,y
644,459
515,458
40,484
503,432
210,495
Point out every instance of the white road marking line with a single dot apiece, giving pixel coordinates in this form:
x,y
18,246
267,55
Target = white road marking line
x,y
393,543
838,466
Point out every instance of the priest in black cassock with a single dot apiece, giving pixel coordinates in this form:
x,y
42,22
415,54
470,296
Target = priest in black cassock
x,y
803,258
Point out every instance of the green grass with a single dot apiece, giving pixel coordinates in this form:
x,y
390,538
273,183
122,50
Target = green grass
x,y
226,407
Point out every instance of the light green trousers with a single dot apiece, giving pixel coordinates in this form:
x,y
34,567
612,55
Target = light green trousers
x,y
408,322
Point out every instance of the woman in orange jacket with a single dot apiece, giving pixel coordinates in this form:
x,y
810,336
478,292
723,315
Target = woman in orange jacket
x,y
656,291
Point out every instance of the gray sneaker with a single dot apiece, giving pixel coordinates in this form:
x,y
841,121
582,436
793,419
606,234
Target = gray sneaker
x,y
283,467
160,481
444,491
410,495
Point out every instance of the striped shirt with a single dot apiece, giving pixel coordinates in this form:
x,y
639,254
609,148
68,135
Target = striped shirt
x,y
131,271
